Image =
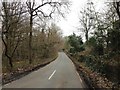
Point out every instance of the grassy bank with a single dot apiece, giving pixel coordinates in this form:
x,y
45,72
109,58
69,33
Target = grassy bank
x,y
22,68
92,78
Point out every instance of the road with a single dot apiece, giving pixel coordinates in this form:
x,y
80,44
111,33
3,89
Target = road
x,y
60,73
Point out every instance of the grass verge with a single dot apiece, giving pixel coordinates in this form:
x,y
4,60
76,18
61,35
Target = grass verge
x,y
24,68
92,79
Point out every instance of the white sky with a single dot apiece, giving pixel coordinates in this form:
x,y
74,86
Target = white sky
x,y
69,24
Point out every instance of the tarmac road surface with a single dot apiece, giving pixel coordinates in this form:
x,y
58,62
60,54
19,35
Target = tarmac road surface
x,y
60,73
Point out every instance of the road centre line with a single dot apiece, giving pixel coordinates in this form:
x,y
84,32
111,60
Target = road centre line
x,y
52,75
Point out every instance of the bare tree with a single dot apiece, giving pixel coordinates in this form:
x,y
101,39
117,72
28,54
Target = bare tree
x,y
117,8
11,35
86,19
37,10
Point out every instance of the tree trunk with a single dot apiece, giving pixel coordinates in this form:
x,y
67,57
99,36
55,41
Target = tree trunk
x,y
10,62
6,53
30,40
6,49
118,9
86,36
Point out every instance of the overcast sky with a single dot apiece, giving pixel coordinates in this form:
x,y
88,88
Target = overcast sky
x,y
69,24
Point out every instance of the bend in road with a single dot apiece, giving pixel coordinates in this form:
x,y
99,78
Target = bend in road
x,y
60,73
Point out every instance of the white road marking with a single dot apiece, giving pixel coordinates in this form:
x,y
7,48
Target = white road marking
x,y
52,75
79,76
76,71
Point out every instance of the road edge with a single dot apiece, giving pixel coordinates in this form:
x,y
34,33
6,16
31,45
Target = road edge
x,y
81,75
20,75
77,72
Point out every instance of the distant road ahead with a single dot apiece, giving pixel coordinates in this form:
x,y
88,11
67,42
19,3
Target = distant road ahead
x,y
61,73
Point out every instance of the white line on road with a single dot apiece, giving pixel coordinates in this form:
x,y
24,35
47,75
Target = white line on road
x,y
79,76
52,75
77,72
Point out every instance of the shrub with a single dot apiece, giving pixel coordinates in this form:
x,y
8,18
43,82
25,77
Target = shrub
x,y
81,58
72,50
99,49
